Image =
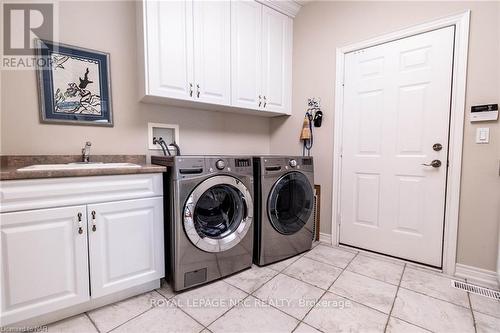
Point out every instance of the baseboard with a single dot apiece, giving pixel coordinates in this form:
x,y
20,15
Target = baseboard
x,y
42,320
325,238
479,276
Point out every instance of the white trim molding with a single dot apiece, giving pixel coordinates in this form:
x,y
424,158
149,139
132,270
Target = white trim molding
x,y
461,23
288,7
479,276
325,238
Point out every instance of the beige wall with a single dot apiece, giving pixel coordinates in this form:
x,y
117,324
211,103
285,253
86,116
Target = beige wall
x,y
110,27
318,30
322,26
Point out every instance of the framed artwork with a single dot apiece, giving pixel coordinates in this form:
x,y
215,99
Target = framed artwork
x,y
74,85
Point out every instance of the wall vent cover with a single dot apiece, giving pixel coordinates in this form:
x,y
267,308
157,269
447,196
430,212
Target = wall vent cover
x,y
490,293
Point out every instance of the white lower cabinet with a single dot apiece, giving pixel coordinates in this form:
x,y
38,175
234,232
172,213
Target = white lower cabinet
x,y
56,258
125,244
44,261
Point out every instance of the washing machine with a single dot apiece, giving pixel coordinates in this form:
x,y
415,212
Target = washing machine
x,y
209,222
284,204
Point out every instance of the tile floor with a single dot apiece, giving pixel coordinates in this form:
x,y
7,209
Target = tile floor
x,y
324,290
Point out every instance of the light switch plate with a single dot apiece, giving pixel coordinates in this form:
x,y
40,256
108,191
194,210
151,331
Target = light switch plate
x,y
483,135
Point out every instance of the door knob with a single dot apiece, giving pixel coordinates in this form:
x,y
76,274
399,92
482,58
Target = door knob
x,y
434,164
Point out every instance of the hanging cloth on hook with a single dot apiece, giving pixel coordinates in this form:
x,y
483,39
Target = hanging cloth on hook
x,y
306,134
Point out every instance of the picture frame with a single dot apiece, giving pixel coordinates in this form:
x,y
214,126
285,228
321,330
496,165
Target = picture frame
x,y
74,85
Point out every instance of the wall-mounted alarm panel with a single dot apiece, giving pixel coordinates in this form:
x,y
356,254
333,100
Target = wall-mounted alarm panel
x,y
487,112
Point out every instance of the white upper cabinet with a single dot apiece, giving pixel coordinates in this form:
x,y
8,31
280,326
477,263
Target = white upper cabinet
x,y
125,244
212,52
235,54
44,261
169,55
246,54
276,60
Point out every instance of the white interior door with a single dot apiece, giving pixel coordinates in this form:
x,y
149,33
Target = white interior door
x,y
125,244
212,51
170,48
276,60
396,107
246,46
44,262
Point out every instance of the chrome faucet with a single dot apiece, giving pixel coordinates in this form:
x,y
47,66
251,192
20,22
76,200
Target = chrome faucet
x,y
86,152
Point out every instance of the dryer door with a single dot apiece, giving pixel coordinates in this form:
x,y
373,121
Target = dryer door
x,y
290,203
218,213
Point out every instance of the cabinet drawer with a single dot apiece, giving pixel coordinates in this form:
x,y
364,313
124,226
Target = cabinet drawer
x,y
16,195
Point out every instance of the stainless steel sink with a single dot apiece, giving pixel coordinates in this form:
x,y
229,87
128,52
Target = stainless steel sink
x,y
75,166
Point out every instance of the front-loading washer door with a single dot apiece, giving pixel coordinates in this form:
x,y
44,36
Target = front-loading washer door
x,y
290,203
218,213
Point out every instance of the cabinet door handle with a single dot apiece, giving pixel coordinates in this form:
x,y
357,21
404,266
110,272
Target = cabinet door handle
x,y
260,100
80,228
94,227
265,101
198,91
190,90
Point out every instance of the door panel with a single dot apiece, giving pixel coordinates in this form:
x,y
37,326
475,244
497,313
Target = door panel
x,y
396,107
44,262
170,48
212,52
276,59
126,245
246,54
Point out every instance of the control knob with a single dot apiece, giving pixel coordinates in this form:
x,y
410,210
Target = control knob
x,y
293,163
220,164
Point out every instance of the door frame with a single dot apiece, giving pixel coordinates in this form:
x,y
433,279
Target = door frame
x,y
457,112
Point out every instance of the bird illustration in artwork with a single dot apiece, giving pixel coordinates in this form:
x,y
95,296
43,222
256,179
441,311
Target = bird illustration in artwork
x,y
85,81
58,61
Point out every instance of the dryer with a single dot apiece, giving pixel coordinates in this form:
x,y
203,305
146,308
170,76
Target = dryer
x,y
209,222
284,204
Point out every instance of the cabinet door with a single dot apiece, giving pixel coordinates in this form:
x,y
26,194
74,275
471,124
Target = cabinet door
x,y
125,244
276,60
169,33
212,52
246,53
44,261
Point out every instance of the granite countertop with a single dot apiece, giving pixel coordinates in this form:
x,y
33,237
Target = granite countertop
x,y
10,164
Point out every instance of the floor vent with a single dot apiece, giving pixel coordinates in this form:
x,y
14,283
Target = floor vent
x,y
490,293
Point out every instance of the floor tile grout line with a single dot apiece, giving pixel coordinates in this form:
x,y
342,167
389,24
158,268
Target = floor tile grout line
x,y
225,312
332,265
232,285
206,326
410,323
434,297
371,277
324,293
250,294
306,282
92,321
187,314
472,311
138,315
394,300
